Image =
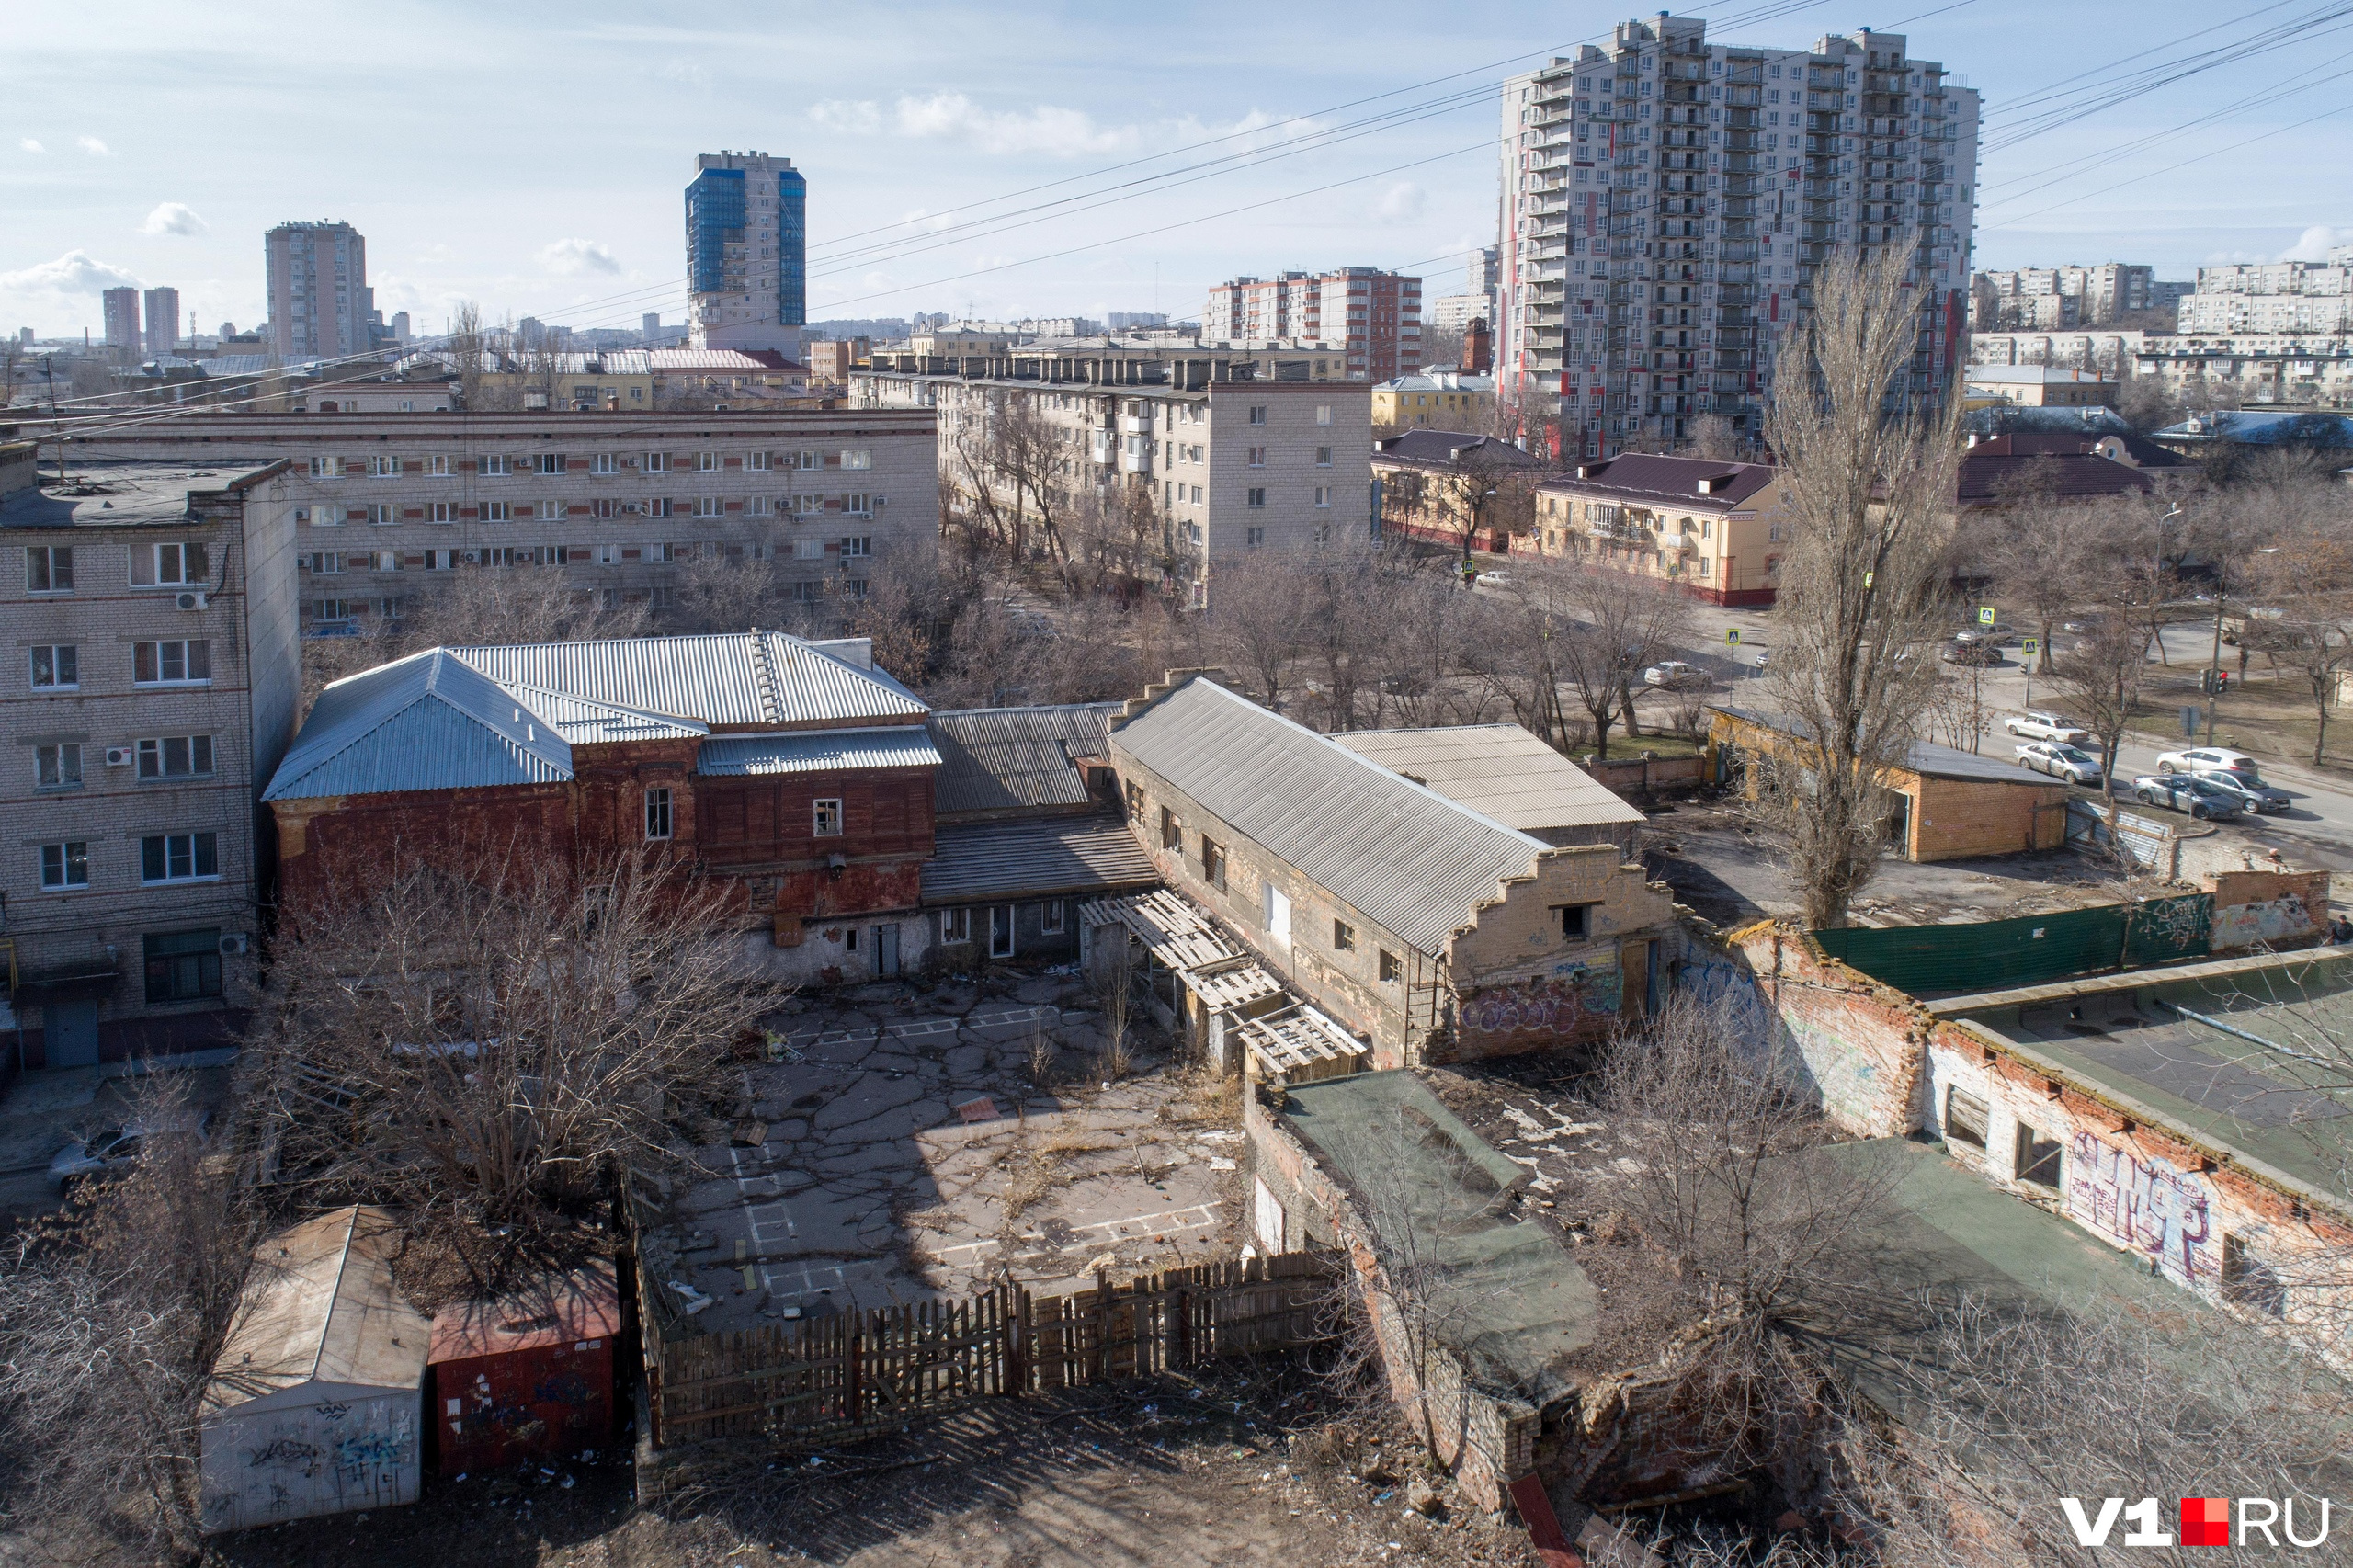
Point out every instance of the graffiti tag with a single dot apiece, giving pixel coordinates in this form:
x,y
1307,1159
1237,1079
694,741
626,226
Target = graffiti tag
x,y
2144,1203
290,1453
1559,1006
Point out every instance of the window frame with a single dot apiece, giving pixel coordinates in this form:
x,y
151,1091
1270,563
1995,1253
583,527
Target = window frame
x,y
1954,1096
1343,936
158,747
69,664
202,946
50,556
823,810
71,855
661,814
201,843
187,645
955,927
1213,862
1053,917
54,756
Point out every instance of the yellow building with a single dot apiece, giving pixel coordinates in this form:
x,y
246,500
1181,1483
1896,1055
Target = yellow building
x,y
1713,528
1437,400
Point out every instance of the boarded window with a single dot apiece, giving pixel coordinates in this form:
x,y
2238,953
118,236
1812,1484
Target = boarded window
x,y
1213,862
1964,1119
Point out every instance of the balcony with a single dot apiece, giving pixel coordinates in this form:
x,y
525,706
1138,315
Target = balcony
x,y
1135,425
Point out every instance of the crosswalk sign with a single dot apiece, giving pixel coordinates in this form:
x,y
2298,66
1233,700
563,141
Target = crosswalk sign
x,y
1732,636
2030,647
1984,615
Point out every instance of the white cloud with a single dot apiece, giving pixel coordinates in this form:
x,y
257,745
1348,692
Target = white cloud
x,y
93,146
922,219
686,72
173,218
29,145
1055,131
859,119
1401,203
575,255
2316,243
75,272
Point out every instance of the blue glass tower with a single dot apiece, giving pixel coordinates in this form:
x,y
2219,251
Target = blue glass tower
x,y
747,252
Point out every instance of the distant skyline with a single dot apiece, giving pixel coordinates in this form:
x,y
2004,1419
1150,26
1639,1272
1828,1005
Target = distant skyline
x,y
532,157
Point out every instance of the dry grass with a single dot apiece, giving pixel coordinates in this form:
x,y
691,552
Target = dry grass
x,y
1205,1097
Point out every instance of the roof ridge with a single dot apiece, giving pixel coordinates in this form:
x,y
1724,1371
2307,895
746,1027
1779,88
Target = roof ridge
x,y
335,1297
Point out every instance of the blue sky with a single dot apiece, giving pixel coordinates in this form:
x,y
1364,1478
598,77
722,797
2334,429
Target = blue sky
x,y
531,156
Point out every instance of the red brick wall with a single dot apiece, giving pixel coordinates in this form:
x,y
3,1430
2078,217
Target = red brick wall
x,y
1955,818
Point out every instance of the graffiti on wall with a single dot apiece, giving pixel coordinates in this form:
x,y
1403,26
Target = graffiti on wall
x,y
2280,919
1731,986
2142,1203
1559,1004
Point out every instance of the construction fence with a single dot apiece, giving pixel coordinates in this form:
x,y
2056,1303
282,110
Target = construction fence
x,y
2031,950
856,1374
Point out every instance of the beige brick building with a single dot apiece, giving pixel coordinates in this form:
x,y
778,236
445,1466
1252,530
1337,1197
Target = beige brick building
x,y
154,689
383,501
1432,931
1234,466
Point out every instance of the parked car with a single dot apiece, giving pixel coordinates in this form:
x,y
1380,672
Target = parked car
x,y
2037,726
1981,654
2210,760
2252,794
2061,761
2184,793
1676,675
1494,579
114,1149
1998,632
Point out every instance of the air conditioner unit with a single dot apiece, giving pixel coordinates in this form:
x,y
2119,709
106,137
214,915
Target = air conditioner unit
x,y
234,941
119,757
301,514
195,600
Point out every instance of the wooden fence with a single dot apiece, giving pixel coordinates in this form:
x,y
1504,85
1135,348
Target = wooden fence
x,y
836,1379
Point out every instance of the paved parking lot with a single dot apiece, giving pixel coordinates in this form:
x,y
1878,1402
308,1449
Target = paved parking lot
x,y
905,1144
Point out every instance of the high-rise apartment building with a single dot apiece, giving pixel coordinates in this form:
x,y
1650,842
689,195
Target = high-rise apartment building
x,y
1376,315
1666,203
121,307
163,321
2281,296
746,253
2048,298
320,304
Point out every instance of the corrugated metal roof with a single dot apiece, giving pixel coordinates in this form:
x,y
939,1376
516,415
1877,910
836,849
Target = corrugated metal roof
x,y
815,751
321,1307
1039,857
1406,857
1009,759
1926,758
579,720
428,722
1499,769
735,679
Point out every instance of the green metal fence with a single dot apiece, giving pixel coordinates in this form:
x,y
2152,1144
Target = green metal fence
x,y
2031,949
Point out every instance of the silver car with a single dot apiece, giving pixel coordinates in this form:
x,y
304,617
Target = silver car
x,y
2251,792
2074,765
2184,793
114,1149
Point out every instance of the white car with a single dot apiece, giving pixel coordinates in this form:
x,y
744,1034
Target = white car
x,y
2061,761
1675,674
1494,579
2038,726
2211,759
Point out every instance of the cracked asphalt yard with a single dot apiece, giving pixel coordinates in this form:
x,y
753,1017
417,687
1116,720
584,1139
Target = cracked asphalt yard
x,y
903,1143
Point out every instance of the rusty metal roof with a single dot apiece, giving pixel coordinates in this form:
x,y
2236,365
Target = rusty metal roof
x,y
1034,857
1012,758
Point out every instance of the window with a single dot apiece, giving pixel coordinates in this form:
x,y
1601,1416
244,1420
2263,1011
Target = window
x,y
1257,457
179,857
1050,917
175,757
549,463
1258,413
859,506
604,506
48,569
2250,1282
655,462
2037,1157
808,593
1392,969
497,467
808,550
326,468
58,766
706,462
496,512
1964,1119
863,544
383,468
183,662
437,468
1323,414
184,966
1278,913
169,565
1324,495
64,866
858,460
657,814
1256,537
57,666
1135,801
1000,930
1573,921
806,459
382,512
1258,496
658,507
755,506
1344,937
955,926
1323,457
709,506
757,462
603,462
1212,861
826,818
332,609
441,512
1172,831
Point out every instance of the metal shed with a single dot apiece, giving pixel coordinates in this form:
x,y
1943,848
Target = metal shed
x,y
528,1376
312,1407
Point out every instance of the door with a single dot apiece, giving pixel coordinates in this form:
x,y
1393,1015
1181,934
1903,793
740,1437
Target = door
x,y
886,951
70,1034
1000,930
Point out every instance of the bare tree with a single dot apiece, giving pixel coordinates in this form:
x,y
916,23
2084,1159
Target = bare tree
x,y
1868,472
1255,623
1488,484
2100,678
469,353
2034,546
2307,626
718,592
481,1036
515,604
1592,630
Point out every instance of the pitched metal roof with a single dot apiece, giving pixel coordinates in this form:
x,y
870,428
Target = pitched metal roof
x,y
1009,758
1034,857
1984,476
1449,445
321,1307
1408,857
815,751
1650,477
1925,757
579,720
428,722
1499,769
734,679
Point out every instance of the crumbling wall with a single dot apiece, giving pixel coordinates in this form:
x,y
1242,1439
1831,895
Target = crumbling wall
x,y
2272,909
1522,984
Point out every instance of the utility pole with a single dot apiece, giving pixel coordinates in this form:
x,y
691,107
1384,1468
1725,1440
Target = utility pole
x,y
2214,666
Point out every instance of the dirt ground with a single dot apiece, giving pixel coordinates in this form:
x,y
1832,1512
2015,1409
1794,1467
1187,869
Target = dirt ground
x,y
1252,1468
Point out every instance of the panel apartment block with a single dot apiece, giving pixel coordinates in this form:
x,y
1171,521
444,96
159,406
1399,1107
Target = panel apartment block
x,y
320,304
1236,466
1376,314
384,502
152,691
1668,202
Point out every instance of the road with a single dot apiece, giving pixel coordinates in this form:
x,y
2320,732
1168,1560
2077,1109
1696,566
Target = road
x,y
2317,830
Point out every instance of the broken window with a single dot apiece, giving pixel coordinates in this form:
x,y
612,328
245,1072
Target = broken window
x,y
1000,930
1050,917
1135,801
2038,1158
1392,967
657,814
826,818
1344,937
2250,1282
1213,862
955,926
1172,831
1966,1119
1573,921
